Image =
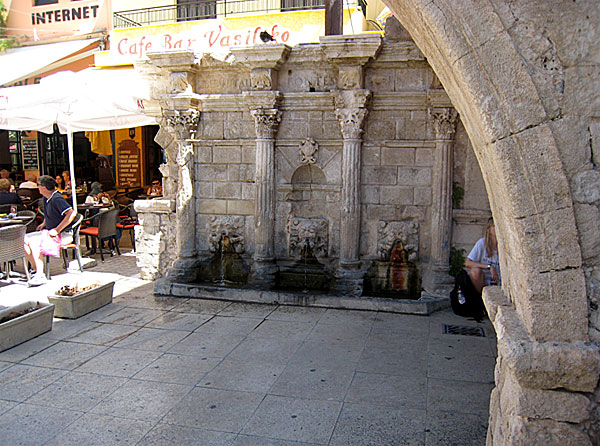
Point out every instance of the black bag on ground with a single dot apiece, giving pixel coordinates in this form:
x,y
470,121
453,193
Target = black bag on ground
x,y
465,299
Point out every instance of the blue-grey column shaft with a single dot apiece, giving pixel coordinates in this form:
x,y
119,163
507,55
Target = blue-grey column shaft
x,y
444,120
266,124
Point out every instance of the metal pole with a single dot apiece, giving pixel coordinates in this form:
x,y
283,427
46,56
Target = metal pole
x,y
71,163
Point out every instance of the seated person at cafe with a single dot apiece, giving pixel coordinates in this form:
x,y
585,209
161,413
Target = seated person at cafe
x,y
5,174
31,182
155,190
60,184
96,195
58,214
67,180
7,197
26,192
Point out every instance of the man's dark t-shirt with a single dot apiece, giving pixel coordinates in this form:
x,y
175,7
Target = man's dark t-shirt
x,y
54,209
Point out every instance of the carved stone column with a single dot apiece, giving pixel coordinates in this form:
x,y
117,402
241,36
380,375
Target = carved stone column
x,y
266,122
351,112
185,123
437,281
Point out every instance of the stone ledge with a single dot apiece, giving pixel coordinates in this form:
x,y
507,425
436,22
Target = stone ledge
x,y
420,307
574,366
155,205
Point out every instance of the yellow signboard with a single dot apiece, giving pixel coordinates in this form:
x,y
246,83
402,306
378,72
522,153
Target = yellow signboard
x,y
216,35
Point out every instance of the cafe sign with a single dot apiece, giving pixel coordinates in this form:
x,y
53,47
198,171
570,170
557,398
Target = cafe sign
x,y
214,35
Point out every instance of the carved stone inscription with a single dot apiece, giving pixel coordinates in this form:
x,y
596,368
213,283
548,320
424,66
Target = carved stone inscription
x,y
232,227
313,231
388,232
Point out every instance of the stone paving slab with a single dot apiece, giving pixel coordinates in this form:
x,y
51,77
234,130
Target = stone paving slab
x,y
154,370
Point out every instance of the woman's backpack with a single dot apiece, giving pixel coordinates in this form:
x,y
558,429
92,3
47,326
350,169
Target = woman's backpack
x,y
464,298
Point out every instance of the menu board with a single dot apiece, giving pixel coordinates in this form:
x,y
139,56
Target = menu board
x,y
129,164
30,154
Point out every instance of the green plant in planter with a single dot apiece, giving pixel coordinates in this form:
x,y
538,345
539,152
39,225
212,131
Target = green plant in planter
x,y
458,193
457,260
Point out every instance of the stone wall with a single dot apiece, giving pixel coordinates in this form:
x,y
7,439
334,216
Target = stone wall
x,y
154,237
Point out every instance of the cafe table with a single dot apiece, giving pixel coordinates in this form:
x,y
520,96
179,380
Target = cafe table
x,y
18,220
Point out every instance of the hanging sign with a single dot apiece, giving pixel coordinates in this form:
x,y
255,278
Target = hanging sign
x,y
30,154
129,164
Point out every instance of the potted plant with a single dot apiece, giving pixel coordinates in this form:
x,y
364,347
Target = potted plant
x,y
23,322
72,302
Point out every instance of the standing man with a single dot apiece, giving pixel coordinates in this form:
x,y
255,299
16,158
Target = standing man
x,y
58,214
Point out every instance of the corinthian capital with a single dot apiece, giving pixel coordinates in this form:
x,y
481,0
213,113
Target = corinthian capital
x,y
266,122
351,121
444,122
185,122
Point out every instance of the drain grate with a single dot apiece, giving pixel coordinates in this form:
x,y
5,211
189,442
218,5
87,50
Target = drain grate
x,y
464,330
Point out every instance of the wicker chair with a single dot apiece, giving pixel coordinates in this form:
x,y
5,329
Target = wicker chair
x,y
30,222
12,247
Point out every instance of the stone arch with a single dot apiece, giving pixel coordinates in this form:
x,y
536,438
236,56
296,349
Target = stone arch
x,y
309,174
523,76
508,116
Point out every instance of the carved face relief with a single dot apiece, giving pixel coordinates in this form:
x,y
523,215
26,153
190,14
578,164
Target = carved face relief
x,y
391,232
231,227
308,151
311,231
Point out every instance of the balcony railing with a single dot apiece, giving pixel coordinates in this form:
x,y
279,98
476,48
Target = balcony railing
x,y
207,9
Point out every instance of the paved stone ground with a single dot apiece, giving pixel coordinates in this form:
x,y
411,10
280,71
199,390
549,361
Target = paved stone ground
x,y
181,372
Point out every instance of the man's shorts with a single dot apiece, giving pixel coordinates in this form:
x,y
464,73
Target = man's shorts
x,y
35,238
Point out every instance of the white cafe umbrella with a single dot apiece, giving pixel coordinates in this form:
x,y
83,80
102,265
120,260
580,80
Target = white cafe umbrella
x,y
91,99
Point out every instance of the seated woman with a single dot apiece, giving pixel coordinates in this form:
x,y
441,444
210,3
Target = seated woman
x,y
155,190
7,197
60,184
67,180
482,261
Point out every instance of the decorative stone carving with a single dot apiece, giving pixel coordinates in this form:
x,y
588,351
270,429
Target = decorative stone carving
x,y
185,122
313,231
351,99
261,79
351,111
350,77
389,232
232,226
266,121
308,151
179,82
444,122
351,121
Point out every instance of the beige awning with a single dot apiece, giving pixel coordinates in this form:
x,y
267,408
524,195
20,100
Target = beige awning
x,y
29,61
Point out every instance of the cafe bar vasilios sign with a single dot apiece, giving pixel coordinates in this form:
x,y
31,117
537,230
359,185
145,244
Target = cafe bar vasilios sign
x,y
215,35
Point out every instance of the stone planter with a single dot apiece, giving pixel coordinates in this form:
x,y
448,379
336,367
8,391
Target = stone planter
x,y
28,326
72,307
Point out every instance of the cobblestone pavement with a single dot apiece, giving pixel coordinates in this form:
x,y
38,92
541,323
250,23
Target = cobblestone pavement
x,y
203,372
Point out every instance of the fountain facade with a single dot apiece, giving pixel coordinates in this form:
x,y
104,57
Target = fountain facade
x,y
316,169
